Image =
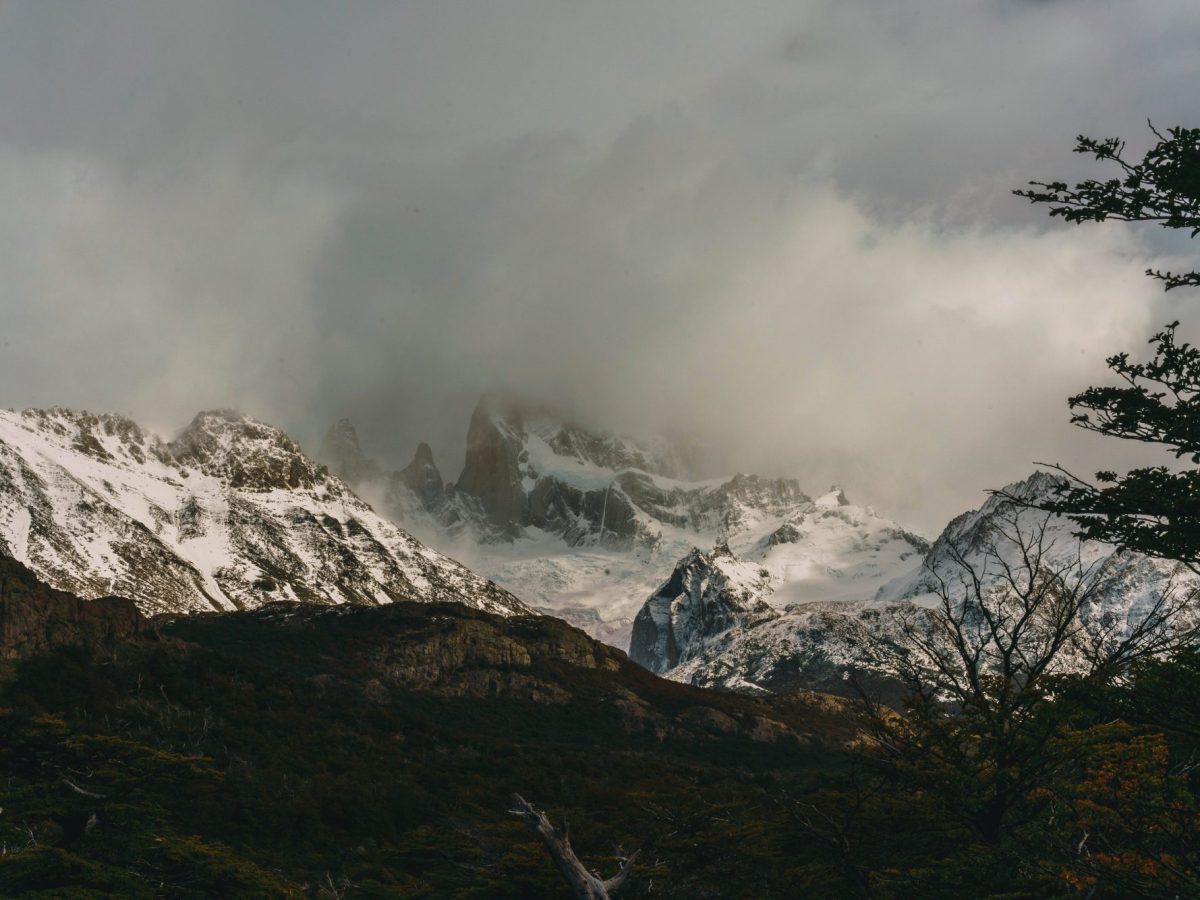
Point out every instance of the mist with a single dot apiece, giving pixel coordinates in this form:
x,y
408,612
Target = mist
x,y
786,230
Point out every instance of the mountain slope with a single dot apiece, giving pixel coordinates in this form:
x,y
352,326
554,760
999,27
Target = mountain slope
x,y
229,515
297,750
707,594
827,552
584,524
813,645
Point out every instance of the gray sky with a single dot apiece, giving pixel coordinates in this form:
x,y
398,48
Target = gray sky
x,y
784,226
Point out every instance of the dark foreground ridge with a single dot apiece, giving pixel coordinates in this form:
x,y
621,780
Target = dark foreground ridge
x,y
35,617
304,751
308,751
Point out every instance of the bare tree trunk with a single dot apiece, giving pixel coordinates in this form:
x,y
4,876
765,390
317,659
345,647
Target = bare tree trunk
x,y
587,886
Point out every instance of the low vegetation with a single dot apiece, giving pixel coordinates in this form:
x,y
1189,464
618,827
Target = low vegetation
x,y
301,753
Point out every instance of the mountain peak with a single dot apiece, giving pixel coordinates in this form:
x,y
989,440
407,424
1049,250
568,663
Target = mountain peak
x,y
104,436
251,454
342,433
706,595
833,498
1039,484
423,456
222,419
341,451
231,514
424,479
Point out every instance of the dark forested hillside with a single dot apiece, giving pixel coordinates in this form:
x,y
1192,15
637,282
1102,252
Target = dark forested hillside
x,y
373,752
305,751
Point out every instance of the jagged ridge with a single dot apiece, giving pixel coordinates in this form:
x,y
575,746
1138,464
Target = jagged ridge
x,y
230,514
812,645
585,524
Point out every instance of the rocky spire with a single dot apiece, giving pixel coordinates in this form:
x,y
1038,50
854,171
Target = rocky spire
x,y
343,454
491,470
423,478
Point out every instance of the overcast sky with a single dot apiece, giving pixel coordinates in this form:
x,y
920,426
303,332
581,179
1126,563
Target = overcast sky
x,y
786,227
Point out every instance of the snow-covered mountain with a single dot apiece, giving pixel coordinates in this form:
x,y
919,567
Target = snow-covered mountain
x,y
826,551
737,645
740,582
228,515
706,595
1130,581
585,524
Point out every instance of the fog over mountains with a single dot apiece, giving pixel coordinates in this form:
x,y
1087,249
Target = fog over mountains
x,y
742,581
434,433
587,524
746,229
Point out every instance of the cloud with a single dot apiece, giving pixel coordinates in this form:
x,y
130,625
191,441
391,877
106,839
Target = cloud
x,y
660,285
154,296
789,229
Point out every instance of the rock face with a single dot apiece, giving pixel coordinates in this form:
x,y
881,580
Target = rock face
x,y
34,617
528,468
812,645
706,595
244,454
421,476
341,451
822,552
585,524
491,474
229,515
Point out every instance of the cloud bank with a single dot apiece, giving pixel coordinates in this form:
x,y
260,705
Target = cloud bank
x,y
787,230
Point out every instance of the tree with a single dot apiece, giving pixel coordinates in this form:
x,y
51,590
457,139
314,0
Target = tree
x,y
988,760
1047,733
982,665
1153,510
1164,188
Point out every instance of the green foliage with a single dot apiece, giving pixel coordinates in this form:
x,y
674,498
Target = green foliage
x,y
1163,187
1152,510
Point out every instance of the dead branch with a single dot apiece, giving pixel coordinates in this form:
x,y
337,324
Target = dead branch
x,y
587,885
67,782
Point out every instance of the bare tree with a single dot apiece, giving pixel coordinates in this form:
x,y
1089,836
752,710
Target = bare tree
x,y
1013,616
587,885
1023,610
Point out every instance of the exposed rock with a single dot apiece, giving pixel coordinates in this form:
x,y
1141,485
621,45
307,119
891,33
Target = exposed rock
x,y
421,476
828,645
706,595
709,720
762,728
491,472
247,454
637,715
34,617
570,517
452,651
838,496
787,533
341,451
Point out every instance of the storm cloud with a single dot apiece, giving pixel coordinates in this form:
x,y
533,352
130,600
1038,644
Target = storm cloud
x,y
786,228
